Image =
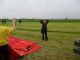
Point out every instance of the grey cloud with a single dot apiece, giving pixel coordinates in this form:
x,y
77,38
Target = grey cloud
x,y
40,8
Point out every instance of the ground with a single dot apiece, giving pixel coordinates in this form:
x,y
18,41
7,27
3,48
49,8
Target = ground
x,y
61,39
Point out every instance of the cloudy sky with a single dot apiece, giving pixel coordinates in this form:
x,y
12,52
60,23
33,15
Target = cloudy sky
x,y
39,8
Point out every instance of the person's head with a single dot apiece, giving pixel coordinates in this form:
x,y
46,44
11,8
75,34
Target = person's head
x,y
44,20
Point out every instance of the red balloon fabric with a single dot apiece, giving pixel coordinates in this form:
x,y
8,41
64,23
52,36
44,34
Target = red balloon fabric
x,y
20,47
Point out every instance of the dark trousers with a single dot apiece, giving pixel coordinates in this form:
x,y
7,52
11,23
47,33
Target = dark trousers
x,y
4,52
44,36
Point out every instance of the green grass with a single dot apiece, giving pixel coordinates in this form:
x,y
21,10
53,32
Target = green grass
x,y
61,39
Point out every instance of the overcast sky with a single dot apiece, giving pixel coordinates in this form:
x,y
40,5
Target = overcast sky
x,y
39,8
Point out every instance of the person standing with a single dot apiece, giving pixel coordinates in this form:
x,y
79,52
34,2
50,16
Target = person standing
x,y
44,23
20,21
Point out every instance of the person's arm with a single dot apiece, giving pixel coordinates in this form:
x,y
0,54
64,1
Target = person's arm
x,y
41,22
47,21
14,24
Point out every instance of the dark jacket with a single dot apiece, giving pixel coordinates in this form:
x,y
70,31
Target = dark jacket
x,y
44,26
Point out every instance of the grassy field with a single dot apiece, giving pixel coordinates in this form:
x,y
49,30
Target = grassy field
x,y
61,39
